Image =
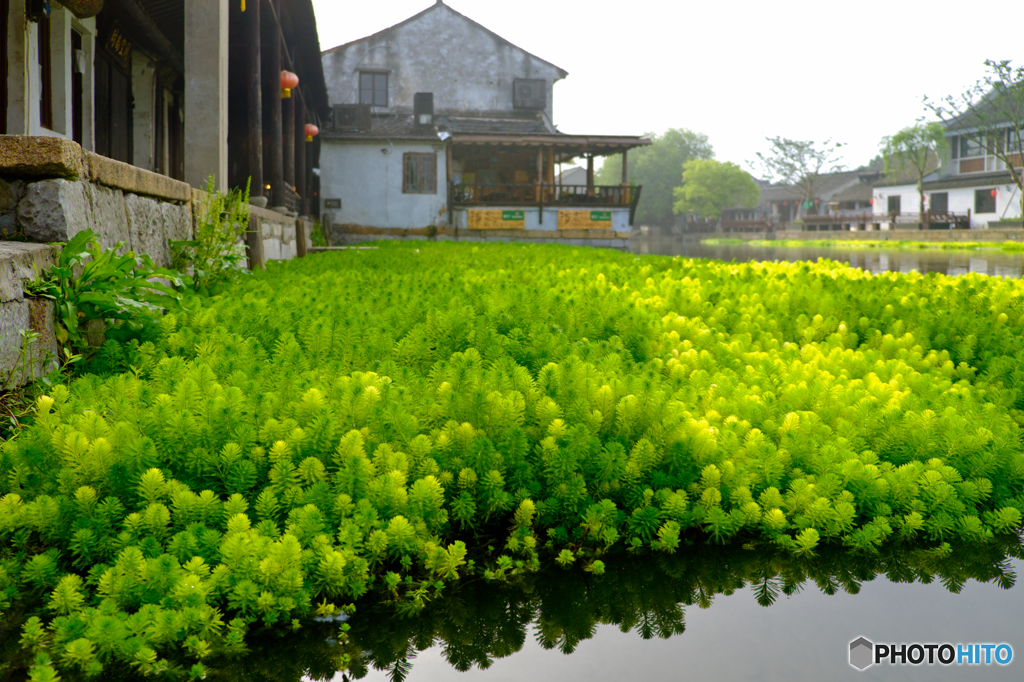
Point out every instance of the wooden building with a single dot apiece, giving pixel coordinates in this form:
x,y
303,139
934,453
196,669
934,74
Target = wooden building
x,y
184,88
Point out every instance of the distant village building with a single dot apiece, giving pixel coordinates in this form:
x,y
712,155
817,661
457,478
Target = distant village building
x,y
438,122
972,183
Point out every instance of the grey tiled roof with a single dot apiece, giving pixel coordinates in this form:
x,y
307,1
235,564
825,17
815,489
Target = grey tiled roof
x,y
495,126
403,127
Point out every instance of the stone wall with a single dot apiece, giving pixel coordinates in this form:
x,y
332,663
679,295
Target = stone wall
x,y
50,190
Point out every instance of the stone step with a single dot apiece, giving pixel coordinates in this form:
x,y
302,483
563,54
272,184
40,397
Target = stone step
x,y
18,364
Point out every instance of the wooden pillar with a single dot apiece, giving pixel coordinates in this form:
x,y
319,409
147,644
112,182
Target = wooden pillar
x,y
300,238
301,171
625,175
450,175
288,138
590,175
254,243
272,133
254,99
540,172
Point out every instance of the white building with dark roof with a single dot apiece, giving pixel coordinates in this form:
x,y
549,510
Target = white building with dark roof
x,y
440,123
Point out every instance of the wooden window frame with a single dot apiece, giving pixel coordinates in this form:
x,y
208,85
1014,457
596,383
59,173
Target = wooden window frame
x,y
419,183
898,200
374,90
984,196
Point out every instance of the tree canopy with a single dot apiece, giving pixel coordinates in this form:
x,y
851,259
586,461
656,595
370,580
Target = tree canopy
x,y
914,148
657,168
991,113
800,163
710,187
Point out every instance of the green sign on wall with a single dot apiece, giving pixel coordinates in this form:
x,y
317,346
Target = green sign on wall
x,y
513,215
602,216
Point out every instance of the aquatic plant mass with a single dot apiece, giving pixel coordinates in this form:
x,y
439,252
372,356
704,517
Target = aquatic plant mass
x,y
388,423
1007,246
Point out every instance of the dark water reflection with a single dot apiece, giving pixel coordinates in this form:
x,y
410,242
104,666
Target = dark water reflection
x,y
949,262
707,613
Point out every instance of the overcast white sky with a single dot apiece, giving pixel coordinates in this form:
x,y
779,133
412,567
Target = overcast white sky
x,y
737,71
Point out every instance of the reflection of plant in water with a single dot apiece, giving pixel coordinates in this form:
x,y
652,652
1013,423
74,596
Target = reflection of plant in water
x,y
480,621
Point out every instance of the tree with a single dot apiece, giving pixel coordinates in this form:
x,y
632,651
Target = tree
x,y
710,187
991,113
657,168
914,148
800,164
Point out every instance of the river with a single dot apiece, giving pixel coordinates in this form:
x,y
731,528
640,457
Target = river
x,y
946,261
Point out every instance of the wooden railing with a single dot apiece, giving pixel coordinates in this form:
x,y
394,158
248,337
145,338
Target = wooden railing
x,y
543,194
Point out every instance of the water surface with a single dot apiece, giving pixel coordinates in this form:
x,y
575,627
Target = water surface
x,y
874,259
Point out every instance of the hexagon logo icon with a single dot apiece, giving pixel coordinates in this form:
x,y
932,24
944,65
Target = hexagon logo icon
x,y
862,653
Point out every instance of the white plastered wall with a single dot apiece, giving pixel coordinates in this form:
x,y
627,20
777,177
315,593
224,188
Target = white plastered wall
x,y
367,177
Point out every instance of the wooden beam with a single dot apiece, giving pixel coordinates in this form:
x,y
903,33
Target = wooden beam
x,y
164,48
272,133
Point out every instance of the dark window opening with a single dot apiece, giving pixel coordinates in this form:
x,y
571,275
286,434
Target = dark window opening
x,y
984,202
894,204
373,89
969,147
940,202
76,87
419,173
45,73
954,147
113,111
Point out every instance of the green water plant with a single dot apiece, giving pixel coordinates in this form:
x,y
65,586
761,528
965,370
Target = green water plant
x,y
386,423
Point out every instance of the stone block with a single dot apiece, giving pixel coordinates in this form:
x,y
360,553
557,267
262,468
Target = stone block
x,y
109,216
21,363
177,221
146,231
54,210
41,157
271,249
129,178
11,192
20,261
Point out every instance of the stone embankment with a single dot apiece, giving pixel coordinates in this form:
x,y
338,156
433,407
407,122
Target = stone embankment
x,y
51,189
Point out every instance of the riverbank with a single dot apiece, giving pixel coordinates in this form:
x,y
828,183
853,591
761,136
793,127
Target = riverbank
x,y
1008,246
891,236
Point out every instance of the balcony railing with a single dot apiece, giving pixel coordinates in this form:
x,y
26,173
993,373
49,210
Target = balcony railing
x,y
515,194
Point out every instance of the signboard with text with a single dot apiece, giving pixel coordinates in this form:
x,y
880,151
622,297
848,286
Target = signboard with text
x,y
497,219
584,220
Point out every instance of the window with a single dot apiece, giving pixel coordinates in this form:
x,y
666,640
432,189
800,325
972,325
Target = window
x,y
419,173
984,202
894,204
954,147
373,89
970,147
939,202
45,73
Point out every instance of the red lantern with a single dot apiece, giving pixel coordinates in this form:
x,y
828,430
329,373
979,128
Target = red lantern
x,y
311,132
994,193
288,81
871,202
